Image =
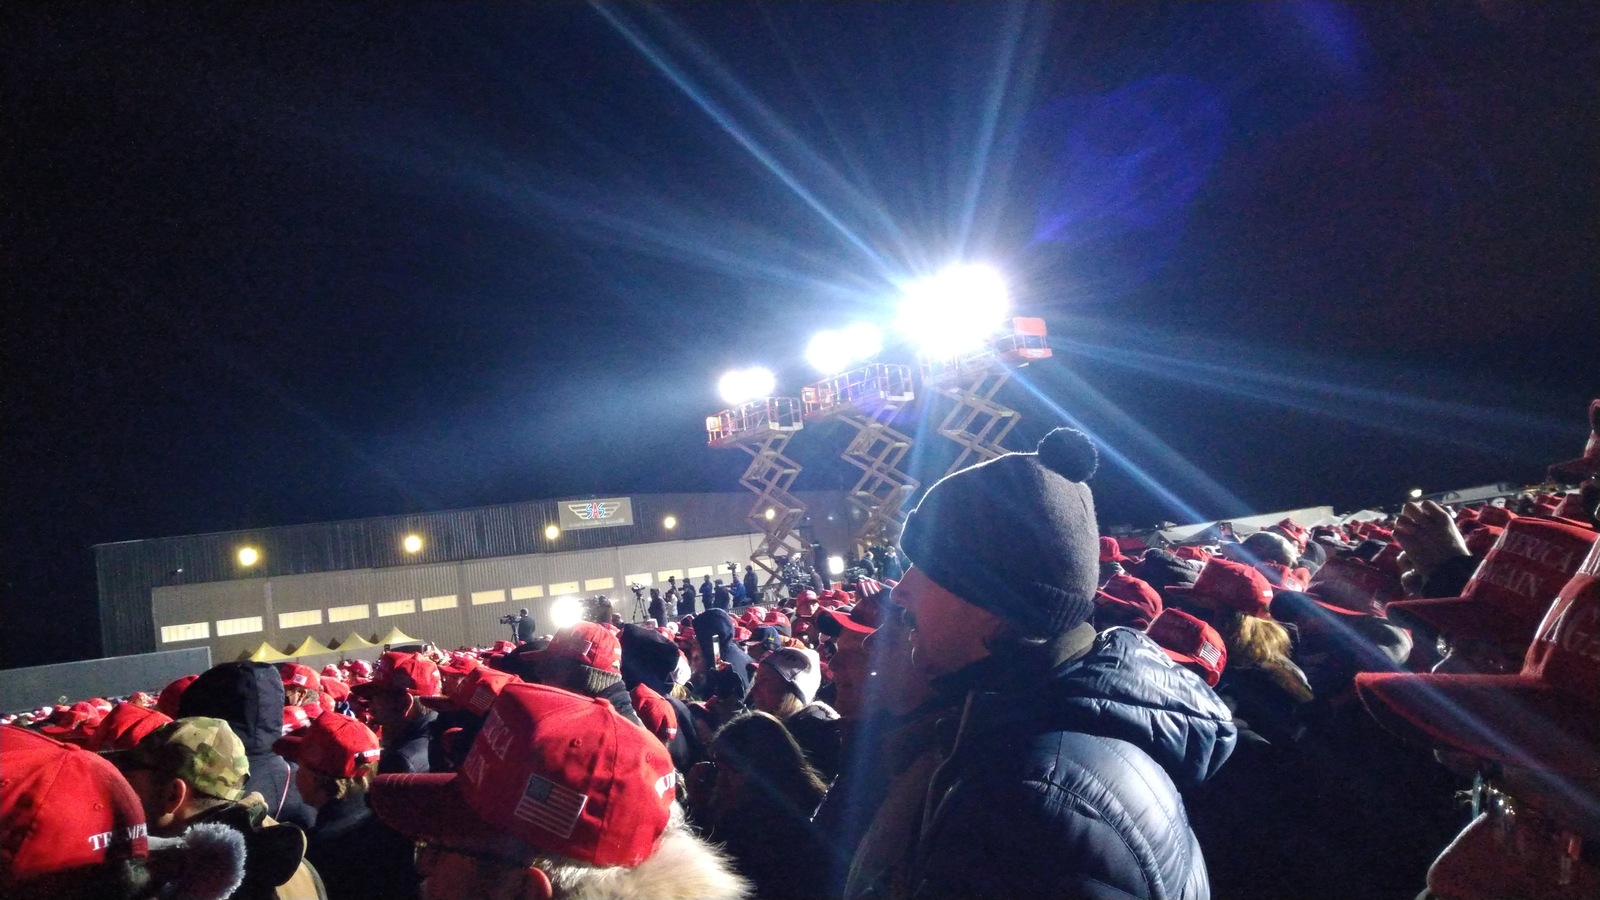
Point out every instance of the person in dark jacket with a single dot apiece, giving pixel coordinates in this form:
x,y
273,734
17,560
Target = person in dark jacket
x,y
356,855
752,587
649,659
1056,770
721,597
718,652
658,607
407,725
526,627
249,697
706,594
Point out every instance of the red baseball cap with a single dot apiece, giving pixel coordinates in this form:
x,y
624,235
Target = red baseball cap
x,y
863,618
1111,551
1190,642
172,694
334,689
593,645
413,673
1496,515
1354,586
1509,593
74,724
62,808
297,675
295,718
1223,582
1131,600
125,727
1281,577
561,773
475,692
1546,717
1587,465
1193,554
332,745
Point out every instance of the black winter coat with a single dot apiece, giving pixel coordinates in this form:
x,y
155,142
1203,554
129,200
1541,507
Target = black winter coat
x,y
249,697
1070,788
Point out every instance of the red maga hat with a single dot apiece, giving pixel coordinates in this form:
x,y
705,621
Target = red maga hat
x,y
167,701
592,645
1190,642
125,726
332,745
475,692
410,672
1346,584
1509,593
561,773
1111,551
1132,600
1547,717
1587,465
74,724
1225,583
62,808
297,675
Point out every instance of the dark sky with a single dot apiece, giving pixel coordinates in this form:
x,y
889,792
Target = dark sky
x,y
326,261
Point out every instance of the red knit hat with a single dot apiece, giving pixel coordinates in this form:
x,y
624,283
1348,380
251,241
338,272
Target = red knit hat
x,y
62,808
1511,589
560,773
333,745
1225,583
1547,717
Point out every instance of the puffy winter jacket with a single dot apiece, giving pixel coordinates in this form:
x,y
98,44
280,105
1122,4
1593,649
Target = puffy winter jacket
x,y
1070,788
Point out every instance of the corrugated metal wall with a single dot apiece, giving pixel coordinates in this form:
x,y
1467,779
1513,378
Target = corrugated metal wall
x,y
148,583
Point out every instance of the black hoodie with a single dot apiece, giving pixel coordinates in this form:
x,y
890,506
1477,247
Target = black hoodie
x,y
249,697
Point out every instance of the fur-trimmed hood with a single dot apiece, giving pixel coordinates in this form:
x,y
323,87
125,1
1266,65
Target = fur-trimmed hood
x,y
684,867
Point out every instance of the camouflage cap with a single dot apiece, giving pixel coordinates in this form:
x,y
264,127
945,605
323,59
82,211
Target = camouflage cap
x,y
203,752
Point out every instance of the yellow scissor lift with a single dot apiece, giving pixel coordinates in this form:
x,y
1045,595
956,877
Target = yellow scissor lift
x,y
979,423
868,398
763,429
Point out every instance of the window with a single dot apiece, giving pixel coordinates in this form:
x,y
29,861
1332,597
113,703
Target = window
x,y
348,613
479,598
641,578
193,631
599,584
563,587
669,573
702,571
531,592
444,601
396,608
300,619
243,625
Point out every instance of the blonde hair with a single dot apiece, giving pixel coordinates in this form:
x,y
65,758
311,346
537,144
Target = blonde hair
x,y
1263,643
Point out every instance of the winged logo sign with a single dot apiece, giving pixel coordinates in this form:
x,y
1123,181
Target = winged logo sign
x,y
600,513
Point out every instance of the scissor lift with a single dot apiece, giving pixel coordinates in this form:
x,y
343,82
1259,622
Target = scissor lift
x,y
868,398
979,423
763,429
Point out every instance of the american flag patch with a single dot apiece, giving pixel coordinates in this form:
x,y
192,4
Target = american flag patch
x,y
550,806
1209,654
482,699
868,587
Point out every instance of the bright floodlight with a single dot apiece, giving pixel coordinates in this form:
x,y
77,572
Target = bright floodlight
x,y
249,556
565,612
831,352
1416,493
669,523
412,543
954,311
771,514
551,532
743,385
835,565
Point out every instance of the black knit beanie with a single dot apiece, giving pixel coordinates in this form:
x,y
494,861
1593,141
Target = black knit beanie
x,y
1015,535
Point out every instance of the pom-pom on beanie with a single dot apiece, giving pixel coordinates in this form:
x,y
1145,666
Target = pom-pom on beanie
x,y
1015,535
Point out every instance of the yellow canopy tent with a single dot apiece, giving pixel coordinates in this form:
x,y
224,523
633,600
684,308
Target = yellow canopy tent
x,y
311,647
264,653
353,641
396,636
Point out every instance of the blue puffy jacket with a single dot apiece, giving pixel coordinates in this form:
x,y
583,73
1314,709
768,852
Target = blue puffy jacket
x,y
1070,789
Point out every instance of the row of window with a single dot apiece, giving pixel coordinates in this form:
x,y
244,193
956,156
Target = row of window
x,y
197,631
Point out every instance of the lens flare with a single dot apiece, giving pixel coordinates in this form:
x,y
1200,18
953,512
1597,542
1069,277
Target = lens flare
x,y
954,311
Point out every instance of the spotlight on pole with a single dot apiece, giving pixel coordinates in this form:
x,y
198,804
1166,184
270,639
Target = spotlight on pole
x,y
743,385
830,352
954,311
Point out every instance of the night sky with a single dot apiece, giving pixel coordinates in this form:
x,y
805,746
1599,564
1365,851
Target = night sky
x,y
315,262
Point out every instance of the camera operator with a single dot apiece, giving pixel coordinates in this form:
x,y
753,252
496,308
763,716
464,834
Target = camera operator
x,y
522,626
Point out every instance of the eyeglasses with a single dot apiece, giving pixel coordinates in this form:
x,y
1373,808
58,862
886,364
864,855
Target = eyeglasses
x,y
425,854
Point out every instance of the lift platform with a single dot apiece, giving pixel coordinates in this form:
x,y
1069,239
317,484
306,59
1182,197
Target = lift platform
x,y
868,399
979,423
763,429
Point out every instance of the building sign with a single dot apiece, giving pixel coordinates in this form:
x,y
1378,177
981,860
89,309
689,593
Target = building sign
x,y
603,513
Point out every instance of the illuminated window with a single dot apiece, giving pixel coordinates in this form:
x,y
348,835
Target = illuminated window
x,y
670,573
530,592
641,578
479,598
599,584
348,613
443,601
563,587
396,608
193,631
242,625
300,619
702,571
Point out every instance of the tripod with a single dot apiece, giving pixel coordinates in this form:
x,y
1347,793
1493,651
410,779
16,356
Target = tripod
x,y
641,610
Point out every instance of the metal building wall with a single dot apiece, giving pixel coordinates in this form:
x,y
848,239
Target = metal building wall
x,y
479,591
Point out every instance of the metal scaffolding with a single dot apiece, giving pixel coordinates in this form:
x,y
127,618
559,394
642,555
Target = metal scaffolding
x,y
763,429
979,423
868,399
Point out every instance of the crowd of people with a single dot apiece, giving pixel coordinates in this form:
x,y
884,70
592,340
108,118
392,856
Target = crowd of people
x,y
1029,709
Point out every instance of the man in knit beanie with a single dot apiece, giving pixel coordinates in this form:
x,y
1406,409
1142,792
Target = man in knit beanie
x,y
1056,768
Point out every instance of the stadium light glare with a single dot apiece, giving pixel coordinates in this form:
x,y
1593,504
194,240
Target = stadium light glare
x,y
565,612
835,565
249,556
954,311
744,385
551,532
412,543
669,523
831,352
